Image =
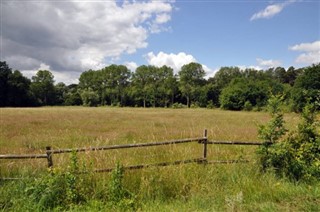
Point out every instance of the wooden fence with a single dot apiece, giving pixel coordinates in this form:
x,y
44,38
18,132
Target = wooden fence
x,y
201,160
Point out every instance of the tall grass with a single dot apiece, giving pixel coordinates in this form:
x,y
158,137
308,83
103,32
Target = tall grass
x,y
191,187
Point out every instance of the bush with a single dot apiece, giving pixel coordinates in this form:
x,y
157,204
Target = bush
x,y
297,156
247,106
59,189
178,105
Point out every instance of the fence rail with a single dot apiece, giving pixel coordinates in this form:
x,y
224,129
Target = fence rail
x,y
201,140
126,146
238,142
23,156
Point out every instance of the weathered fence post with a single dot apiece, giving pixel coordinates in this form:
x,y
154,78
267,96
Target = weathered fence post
x,y
49,156
205,143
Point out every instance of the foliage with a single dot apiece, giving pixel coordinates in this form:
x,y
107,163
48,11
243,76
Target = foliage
x,y
178,106
89,98
230,88
297,156
59,189
118,195
191,78
306,87
275,129
14,88
43,87
242,90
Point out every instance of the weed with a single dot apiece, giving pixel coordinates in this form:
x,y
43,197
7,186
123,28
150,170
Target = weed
x,y
118,195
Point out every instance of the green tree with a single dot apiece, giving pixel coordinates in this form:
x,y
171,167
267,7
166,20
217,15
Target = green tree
x,y
225,75
143,84
5,72
43,87
72,95
306,87
191,79
115,80
19,93
242,90
89,97
60,91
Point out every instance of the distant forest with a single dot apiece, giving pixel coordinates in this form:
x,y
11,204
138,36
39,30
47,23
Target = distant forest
x,y
148,86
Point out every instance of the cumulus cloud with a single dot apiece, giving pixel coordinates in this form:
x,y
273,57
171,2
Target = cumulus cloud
x,y
271,10
311,52
175,61
268,63
76,35
66,77
131,65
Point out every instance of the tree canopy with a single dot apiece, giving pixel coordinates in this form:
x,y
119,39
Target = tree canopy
x,y
149,86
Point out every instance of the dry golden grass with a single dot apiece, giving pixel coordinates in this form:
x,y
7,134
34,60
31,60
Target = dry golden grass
x,y
30,130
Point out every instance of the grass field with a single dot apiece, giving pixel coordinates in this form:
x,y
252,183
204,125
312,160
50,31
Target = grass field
x,y
232,187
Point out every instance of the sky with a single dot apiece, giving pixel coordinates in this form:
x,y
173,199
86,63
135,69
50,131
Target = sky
x,y
69,37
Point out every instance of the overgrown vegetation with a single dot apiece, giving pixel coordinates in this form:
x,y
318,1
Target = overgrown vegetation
x,y
190,187
297,155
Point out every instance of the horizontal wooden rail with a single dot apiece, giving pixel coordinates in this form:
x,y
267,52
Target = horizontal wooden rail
x,y
227,161
59,151
23,156
197,160
237,142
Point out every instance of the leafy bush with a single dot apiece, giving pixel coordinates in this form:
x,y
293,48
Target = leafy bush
x,y
247,106
58,189
240,91
297,156
178,105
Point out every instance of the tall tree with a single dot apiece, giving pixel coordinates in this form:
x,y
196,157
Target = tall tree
x,y
43,87
19,94
191,78
115,80
142,86
5,72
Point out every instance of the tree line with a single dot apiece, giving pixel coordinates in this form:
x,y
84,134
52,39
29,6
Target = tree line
x,y
148,86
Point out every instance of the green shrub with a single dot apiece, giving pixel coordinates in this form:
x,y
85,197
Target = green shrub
x,y
297,156
58,189
247,106
178,105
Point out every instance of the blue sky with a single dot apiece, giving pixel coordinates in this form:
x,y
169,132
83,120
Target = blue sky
x,y
69,37
221,33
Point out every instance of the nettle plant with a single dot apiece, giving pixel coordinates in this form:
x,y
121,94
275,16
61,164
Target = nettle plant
x,y
297,155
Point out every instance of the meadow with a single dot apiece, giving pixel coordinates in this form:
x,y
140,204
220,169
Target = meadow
x,y
191,187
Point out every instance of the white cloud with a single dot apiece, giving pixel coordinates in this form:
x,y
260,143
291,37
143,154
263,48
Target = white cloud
x,y
311,53
306,47
73,36
244,67
268,63
271,10
66,77
175,61
131,65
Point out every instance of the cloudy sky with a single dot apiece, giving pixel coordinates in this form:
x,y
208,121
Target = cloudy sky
x,y
68,37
